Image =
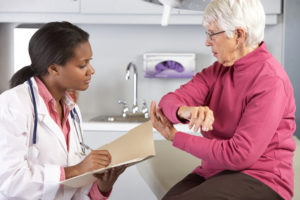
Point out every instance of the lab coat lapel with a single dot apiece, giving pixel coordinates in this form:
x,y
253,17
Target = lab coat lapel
x,y
54,129
45,118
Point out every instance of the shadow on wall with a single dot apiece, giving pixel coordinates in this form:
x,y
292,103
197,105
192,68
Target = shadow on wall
x,y
291,58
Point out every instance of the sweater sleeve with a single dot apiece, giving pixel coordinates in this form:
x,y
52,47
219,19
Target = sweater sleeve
x,y
258,124
193,93
95,194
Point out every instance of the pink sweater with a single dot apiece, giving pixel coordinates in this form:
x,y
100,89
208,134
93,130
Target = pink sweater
x,y
254,110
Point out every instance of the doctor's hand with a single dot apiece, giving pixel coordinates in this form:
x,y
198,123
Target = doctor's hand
x,y
107,179
198,117
161,123
95,160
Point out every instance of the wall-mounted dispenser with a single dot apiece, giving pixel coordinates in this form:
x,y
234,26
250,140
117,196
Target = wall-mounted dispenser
x,y
169,65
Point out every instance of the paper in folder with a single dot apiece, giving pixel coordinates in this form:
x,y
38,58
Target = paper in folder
x,y
131,148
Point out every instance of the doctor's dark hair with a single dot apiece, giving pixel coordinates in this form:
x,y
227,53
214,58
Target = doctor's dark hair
x,y
53,43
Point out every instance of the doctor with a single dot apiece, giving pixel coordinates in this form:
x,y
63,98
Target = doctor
x,y
40,134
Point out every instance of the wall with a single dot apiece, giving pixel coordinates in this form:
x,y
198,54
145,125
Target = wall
x,y
291,57
114,46
6,54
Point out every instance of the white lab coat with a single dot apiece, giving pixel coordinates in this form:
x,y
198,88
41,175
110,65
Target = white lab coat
x,y
33,171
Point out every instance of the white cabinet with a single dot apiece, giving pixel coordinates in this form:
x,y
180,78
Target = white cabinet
x,y
119,7
106,12
53,6
130,184
272,6
141,12
272,9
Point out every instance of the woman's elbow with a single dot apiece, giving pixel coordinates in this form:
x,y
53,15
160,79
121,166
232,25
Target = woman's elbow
x,y
241,162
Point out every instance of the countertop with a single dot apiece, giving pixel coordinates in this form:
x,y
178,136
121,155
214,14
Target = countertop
x,y
122,126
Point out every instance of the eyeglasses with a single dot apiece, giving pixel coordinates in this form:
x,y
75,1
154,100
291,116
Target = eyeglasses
x,y
209,35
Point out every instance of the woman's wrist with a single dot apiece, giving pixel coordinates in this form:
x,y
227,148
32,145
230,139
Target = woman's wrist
x,y
72,171
178,115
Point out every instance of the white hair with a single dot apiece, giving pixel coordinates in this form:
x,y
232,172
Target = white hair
x,y
231,14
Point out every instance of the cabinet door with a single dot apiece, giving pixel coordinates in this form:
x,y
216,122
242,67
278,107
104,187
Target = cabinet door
x,y
130,185
96,139
120,7
270,6
39,6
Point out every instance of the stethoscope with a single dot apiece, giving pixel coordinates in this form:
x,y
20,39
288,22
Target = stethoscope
x,y
74,116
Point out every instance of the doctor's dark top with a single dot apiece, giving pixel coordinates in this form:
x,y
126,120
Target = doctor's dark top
x,y
254,110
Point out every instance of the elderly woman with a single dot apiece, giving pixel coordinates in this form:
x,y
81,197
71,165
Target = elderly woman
x,y
243,104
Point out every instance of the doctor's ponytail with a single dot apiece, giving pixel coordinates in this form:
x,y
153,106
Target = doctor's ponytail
x,y
53,43
21,76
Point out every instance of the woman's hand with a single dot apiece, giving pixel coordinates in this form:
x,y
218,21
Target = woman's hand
x,y
95,160
161,123
198,117
107,179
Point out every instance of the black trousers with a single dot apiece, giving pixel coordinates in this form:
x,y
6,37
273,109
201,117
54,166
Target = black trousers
x,y
227,185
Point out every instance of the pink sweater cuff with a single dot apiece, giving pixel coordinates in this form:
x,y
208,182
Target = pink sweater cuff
x,y
171,112
62,174
95,194
195,145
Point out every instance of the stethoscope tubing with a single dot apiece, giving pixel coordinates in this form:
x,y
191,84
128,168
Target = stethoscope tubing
x,y
74,116
35,111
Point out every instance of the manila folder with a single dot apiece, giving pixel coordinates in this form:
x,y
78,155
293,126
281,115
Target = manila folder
x,y
131,148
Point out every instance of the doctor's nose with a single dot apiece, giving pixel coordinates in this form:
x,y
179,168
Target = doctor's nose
x,y
91,69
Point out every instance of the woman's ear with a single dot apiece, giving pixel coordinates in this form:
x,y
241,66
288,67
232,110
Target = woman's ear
x,y
53,69
241,34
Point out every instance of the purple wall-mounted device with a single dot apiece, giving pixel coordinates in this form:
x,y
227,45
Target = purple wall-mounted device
x,y
163,65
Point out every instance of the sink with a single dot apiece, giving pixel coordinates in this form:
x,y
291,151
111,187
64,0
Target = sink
x,y
119,118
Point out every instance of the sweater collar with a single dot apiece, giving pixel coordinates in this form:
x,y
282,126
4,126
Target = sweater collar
x,y
259,54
